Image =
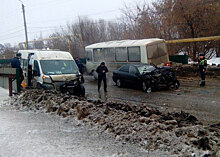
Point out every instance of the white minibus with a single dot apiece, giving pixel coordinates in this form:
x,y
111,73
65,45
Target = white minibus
x,y
118,53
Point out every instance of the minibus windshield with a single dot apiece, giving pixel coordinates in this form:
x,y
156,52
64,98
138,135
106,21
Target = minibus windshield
x,y
58,67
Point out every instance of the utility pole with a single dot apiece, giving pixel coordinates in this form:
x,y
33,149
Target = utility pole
x,y
25,26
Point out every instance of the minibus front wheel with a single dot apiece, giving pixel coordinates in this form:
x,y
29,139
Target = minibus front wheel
x,y
80,91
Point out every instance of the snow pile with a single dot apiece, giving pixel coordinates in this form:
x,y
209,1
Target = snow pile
x,y
176,132
182,53
215,61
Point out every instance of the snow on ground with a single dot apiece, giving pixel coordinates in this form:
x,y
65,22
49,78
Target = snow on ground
x,y
3,95
210,61
214,61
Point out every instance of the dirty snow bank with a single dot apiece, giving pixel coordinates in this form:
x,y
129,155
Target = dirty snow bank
x,y
192,70
178,132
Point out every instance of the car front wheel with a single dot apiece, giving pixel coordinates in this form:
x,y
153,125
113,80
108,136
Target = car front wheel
x,y
176,85
81,91
144,86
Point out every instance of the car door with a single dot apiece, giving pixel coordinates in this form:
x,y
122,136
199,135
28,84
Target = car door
x,y
133,76
36,73
123,73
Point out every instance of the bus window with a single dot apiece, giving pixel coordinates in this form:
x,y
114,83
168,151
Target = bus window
x,y
134,54
109,54
89,55
98,55
24,63
121,54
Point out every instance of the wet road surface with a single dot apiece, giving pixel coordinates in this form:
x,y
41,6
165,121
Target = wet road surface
x,y
203,102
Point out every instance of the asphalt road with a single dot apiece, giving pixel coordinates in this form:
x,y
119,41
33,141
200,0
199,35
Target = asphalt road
x,y
31,134
203,102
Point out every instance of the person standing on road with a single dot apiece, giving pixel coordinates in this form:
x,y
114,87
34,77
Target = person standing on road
x,y
15,63
80,67
102,70
202,68
79,64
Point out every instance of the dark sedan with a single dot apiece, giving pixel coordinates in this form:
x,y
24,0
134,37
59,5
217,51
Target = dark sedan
x,y
145,76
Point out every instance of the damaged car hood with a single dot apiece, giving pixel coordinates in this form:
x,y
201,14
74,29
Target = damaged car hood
x,y
63,78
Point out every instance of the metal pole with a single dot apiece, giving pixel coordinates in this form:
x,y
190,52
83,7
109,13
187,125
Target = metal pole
x,y
10,85
25,26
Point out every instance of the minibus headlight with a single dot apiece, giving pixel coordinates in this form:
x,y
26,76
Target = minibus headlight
x,y
46,79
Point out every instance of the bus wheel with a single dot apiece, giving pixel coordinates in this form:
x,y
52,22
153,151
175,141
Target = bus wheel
x,y
118,83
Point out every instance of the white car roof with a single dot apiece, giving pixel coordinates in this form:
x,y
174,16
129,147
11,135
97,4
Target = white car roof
x,y
125,43
47,54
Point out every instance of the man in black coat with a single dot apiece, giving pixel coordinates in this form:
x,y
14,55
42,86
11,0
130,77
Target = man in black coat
x,y
102,70
79,64
15,63
80,67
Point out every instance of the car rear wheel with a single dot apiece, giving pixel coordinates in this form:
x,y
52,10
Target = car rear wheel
x,y
95,75
118,83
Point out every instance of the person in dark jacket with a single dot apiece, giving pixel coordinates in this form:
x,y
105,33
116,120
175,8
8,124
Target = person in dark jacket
x,y
102,70
79,64
80,67
202,68
15,63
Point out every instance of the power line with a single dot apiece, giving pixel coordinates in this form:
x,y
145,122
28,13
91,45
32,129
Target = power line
x,y
11,37
12,33
47,27
46,30
49,2
54,20
73,17
12,29
104,12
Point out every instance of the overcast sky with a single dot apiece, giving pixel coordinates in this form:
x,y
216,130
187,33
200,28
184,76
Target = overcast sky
x,y
44,16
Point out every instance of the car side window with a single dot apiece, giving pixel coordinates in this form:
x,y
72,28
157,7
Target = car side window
x,y
124,69
132,70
